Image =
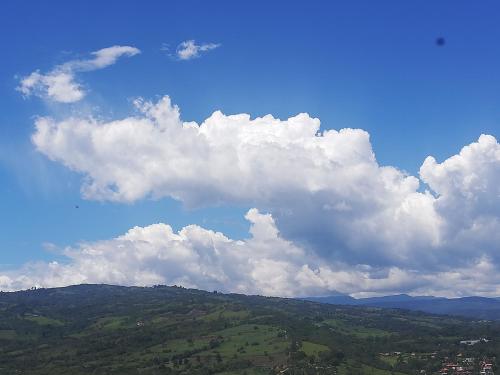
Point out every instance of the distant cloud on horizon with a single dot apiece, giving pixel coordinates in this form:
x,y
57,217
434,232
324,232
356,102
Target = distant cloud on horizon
x,y
59,84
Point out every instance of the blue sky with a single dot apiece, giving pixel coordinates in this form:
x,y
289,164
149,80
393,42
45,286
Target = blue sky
x,y
352,64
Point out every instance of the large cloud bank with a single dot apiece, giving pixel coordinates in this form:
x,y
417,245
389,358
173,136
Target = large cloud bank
x,y
346,222
264,264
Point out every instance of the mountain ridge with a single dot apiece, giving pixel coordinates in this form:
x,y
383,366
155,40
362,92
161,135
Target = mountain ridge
x,y
477,307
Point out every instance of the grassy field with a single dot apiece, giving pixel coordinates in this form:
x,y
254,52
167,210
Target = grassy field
x,y
113,323
254,371
7,334
351,368
249,340
225,312
313,349
390,360
356,330
44,321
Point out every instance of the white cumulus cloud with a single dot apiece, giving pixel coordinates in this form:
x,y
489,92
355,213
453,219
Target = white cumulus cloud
x,y
59,84
265,264
193,257
360,225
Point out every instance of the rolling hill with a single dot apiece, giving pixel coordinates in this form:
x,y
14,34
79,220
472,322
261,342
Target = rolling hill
x,y
107,330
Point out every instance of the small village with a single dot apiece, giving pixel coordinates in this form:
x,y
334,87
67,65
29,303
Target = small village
x,y
467,366
462,363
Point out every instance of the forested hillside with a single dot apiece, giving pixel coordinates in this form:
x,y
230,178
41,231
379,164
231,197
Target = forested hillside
x,y
100,329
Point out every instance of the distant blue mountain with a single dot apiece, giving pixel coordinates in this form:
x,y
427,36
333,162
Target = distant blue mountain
x,y
473,307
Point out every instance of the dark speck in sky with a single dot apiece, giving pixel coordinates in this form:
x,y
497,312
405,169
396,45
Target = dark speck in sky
x,y
440,41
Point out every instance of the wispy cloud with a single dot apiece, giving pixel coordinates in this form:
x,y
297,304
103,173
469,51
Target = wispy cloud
x,y
60,85
188,49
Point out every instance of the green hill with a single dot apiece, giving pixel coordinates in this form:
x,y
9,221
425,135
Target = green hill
x,y
102,329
